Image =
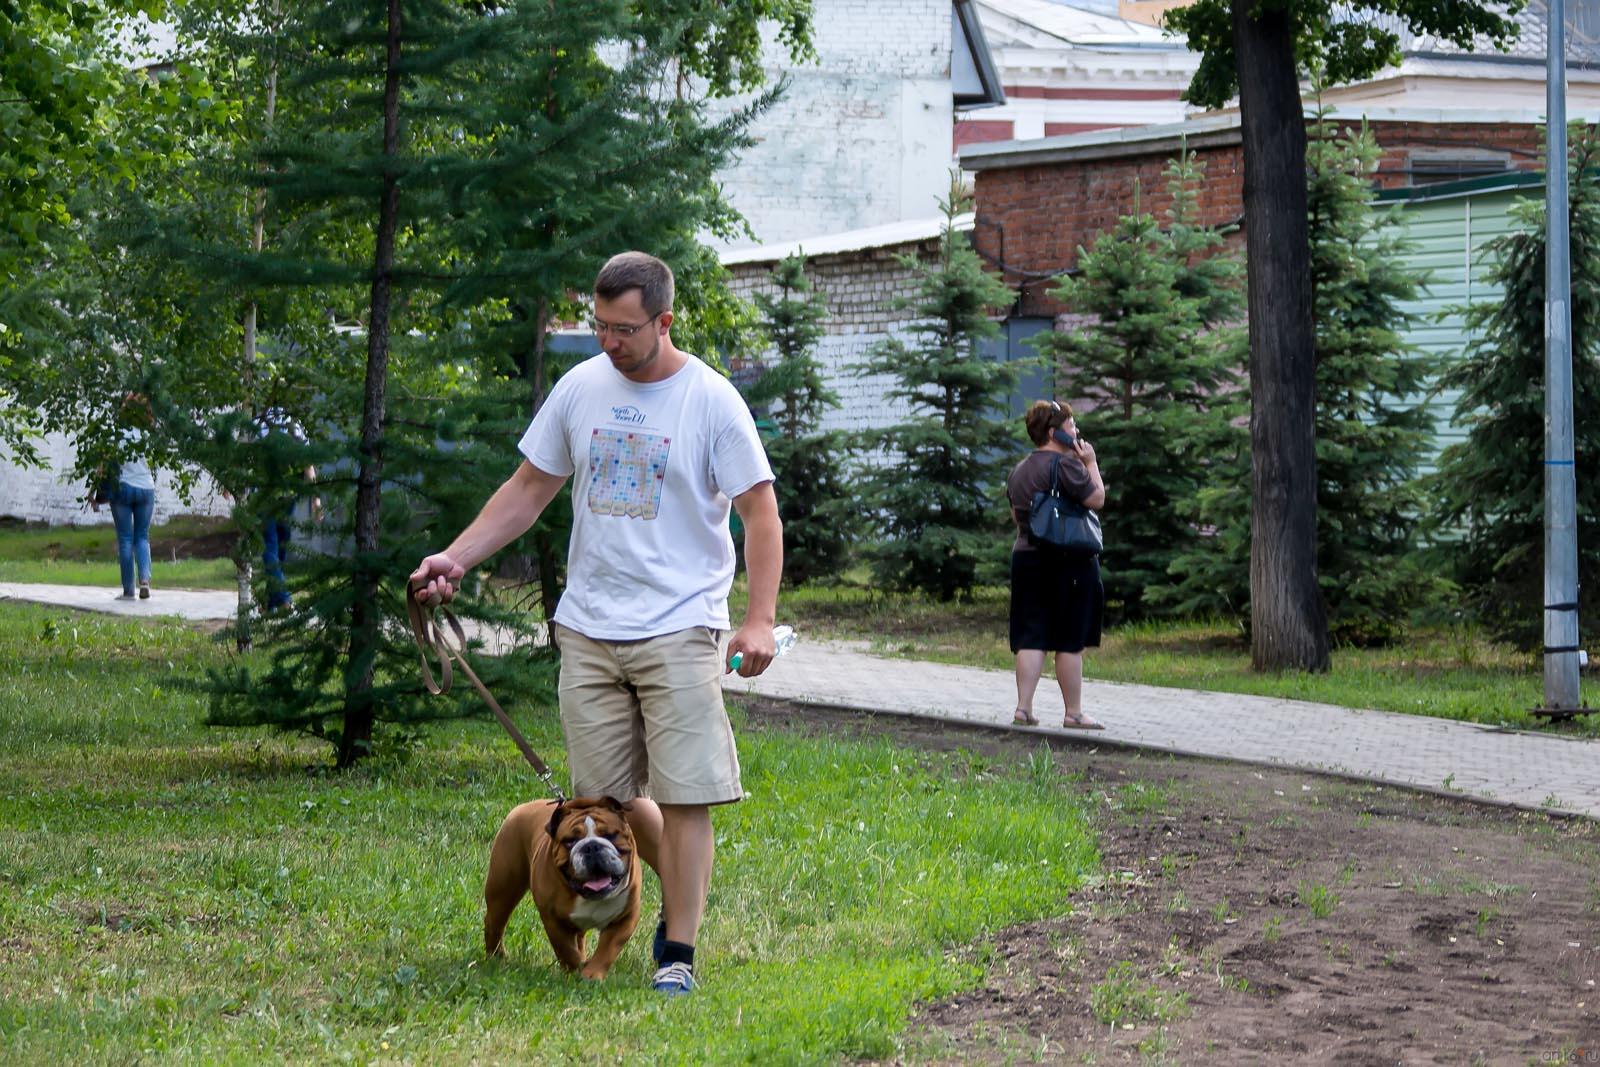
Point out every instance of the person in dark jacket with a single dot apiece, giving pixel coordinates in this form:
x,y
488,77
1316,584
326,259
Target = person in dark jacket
x,y
278,528
1056,597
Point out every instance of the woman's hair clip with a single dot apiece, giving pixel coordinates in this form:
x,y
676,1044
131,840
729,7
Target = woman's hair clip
x,y
1055,406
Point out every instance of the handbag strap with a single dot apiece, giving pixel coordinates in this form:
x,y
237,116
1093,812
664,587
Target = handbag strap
x,y
1055,479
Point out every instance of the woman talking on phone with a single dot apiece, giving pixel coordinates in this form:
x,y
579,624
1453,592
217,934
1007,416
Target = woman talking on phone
x,y
1056,597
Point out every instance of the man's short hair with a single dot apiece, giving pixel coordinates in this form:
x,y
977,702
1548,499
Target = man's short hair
x,y
637,270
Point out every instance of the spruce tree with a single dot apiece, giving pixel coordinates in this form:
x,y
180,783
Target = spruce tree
x,y
1370,427
1147,370
1371,424
808,463
453,175
563,117
935,493
1489,518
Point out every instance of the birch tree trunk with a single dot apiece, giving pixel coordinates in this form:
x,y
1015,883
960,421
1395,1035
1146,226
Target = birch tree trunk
x,y
243,640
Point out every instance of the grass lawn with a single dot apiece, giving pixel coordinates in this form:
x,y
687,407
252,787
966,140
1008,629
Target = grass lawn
x,y
172,891
1452,673
188,552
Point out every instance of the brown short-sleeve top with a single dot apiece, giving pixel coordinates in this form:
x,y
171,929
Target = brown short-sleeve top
x,y
1032,476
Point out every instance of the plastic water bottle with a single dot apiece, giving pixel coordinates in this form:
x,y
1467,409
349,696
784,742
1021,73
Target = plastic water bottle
x,y
783,638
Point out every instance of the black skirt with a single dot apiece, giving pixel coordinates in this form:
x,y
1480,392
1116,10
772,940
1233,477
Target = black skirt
x,y
1056,601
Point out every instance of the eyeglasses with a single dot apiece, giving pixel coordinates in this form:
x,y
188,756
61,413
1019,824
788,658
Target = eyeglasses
x,y
1054,406
618,329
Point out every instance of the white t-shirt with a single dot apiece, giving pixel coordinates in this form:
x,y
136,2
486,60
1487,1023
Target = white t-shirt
x,y
134,470
655,469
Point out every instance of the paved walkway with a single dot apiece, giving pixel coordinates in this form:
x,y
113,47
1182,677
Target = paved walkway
x,y
1508,766
184,603
195,604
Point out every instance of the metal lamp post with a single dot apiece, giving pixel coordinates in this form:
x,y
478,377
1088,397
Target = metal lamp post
x,y
1561,655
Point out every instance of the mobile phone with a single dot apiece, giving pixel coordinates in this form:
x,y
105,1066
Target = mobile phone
x,y
1063,438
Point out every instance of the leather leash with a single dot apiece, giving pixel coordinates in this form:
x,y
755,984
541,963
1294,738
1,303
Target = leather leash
x,y
431,637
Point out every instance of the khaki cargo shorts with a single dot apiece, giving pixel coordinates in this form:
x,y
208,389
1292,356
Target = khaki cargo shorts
x,y
646,718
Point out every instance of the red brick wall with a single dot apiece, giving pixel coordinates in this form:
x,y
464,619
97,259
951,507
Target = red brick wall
x,y
1398,139
1034,217
977,131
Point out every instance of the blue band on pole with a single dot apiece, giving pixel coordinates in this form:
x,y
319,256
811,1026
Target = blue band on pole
x,y
1558,463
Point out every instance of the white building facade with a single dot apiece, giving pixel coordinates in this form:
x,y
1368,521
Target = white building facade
x,y
862,135
47,494
1074,68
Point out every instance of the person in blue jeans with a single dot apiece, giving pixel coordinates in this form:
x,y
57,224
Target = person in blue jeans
x,y
275,553
133,502
131,507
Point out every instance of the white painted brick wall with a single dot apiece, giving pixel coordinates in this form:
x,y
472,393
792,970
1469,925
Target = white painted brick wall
x,y
47,494
909,37
862,404
862,137
860,288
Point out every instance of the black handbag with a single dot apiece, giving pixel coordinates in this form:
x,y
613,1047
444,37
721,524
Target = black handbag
x,y
1063,525
105,484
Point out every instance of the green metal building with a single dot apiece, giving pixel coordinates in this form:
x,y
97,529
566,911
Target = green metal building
x,y
1450,225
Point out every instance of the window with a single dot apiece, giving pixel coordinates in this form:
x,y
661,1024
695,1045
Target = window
x,y
1429,167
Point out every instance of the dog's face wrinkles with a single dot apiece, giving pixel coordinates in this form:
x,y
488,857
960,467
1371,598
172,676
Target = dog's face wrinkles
x,y
595,860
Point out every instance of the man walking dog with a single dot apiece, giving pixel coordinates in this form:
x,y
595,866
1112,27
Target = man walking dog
x,y
658,444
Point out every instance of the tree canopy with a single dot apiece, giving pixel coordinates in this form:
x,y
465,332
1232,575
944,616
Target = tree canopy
x,y
1347,39
58,80
516,154
404,198
77,130
1157,375
815,505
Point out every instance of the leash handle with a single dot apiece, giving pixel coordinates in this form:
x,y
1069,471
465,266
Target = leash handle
x,y
430,637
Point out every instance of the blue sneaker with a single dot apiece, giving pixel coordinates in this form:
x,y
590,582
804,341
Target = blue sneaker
x,y
658,944
675,980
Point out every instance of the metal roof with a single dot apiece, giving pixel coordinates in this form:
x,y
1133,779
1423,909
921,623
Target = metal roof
x,y
1487,183
888,236
1078,27
1583,36
1214,128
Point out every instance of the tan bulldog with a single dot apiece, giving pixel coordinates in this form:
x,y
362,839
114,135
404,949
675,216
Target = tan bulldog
x,y
578,861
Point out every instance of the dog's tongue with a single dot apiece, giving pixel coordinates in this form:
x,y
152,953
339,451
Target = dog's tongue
x,y
597,885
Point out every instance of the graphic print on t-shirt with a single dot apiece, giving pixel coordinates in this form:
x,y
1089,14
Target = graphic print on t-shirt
x,y
626,470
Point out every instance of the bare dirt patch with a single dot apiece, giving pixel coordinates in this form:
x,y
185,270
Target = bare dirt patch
x,y
189,537
1256,915
211,542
